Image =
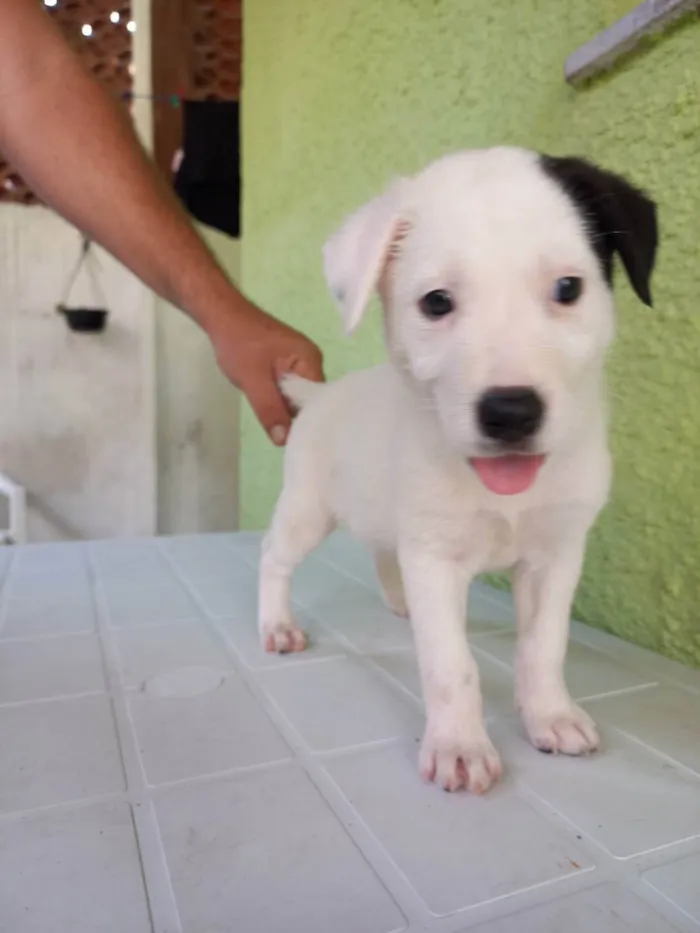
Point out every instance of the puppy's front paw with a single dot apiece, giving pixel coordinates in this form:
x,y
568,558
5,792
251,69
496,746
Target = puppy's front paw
x,y
459,759
560,729
283,637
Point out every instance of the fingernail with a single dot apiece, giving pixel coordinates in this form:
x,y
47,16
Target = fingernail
x,y
278,435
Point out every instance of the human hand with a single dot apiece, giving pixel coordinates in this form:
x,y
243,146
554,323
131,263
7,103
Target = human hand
x,y
254,350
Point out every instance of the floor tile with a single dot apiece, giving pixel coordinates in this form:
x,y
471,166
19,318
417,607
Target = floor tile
x,y
37,559
456,850
605,909
202,557
59,751
486,611
358,615
149,605
679,881
50,667
343,553
588,673
222,730
496,683
48,612
234,595
626,798
265,853
340,703
146,652
118,559
665,718
72,871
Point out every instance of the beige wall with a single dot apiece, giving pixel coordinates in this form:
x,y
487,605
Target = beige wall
x,y
76,410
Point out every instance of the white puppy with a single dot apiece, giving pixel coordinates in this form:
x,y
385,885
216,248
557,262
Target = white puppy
x,y
482,445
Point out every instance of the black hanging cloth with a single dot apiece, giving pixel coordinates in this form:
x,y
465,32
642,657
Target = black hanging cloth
x,y
207,180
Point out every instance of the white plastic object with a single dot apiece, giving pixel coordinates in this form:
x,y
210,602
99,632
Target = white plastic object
x,y
16,532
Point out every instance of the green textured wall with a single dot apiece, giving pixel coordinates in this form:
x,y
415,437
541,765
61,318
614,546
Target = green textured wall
x,y
340,96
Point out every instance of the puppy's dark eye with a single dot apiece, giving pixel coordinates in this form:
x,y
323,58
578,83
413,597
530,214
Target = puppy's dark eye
x,y
437,304
567,290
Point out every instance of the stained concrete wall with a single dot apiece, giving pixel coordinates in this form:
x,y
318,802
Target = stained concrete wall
x,y
76,410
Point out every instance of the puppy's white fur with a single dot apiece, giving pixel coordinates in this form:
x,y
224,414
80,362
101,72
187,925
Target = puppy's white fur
x,y
385,452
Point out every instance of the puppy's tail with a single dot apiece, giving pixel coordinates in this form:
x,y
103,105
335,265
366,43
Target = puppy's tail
x,y
299,391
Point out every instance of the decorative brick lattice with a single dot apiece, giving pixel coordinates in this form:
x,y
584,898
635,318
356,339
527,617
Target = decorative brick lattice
x,y
106,52
216,49
215,40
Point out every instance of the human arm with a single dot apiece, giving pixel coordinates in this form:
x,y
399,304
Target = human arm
x,y
75,146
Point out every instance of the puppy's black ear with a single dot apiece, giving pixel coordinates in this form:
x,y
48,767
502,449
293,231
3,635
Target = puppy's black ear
x,y
619,217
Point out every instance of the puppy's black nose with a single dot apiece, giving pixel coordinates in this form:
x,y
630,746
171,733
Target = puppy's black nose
x,y
509,414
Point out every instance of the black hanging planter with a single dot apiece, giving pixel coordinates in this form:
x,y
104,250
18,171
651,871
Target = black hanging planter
x,y
83,320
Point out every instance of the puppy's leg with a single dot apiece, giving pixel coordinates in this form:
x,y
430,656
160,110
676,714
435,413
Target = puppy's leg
x,y
391,581
543,598
456,750
299,524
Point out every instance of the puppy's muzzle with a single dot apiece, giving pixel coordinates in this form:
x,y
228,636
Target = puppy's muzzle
x,y
510,415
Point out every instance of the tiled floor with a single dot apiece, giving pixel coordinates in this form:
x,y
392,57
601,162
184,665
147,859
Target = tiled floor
x,y
160,773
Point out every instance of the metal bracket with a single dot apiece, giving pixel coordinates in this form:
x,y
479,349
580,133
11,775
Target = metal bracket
x,y
603,50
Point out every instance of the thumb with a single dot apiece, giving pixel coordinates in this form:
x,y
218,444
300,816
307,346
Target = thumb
x,y
269,406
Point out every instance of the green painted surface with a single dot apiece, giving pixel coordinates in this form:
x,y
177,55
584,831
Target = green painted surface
x,y
341,96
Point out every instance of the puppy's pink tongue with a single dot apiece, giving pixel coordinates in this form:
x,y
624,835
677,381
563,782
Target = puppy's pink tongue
x,y
508,475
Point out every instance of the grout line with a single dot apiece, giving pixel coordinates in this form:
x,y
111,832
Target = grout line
x,y
668,672
658,753
210,777
547,808
334,754
620,861
498,629
59,698
503,665
46,636
78,803
157,883
347,573
142,626
656,896
621,691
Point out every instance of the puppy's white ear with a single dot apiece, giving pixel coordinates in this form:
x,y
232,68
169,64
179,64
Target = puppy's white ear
x,y
354,256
